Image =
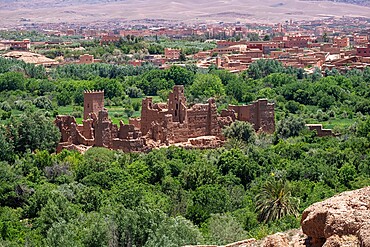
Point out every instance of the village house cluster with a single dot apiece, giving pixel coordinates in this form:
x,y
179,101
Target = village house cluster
x,y
293,51
161,124
324,44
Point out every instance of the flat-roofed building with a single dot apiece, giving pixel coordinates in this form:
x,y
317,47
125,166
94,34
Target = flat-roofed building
x,y
364,51
172,54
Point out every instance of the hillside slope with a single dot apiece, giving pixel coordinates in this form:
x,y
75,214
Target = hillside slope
x,y
342,220
357,2
41,11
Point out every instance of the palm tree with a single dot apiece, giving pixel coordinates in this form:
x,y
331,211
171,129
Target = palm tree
x,y
275,201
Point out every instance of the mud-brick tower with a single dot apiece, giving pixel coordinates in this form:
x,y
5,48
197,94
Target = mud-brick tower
x,y
93,102
177,104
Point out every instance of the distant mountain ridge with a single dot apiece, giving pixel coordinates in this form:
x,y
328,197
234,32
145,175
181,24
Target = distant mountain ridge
x,y
63,3
356,2
15,12
77,2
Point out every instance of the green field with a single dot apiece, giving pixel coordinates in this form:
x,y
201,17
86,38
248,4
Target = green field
x,y
338,123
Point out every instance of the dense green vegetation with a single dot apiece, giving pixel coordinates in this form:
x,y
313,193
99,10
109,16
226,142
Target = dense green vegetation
x,y
69,48
257,184
336,100
121,52
21,35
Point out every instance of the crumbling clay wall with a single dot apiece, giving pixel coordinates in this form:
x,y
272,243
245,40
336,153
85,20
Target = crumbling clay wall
x,y
160,124
97,129
261,114
321,132
198,120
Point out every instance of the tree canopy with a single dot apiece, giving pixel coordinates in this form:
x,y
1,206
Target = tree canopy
x,y
253,186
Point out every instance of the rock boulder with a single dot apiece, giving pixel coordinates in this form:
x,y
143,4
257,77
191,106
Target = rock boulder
x,y
276,240
347,214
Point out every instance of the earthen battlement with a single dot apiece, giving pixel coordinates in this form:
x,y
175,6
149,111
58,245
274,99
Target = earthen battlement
x,y
161,123
93,102
93,91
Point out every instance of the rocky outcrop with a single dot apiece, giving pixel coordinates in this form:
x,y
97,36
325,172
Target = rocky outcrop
x,y
291,238
364,235
276,240
343,220
243,243
340,221
337,241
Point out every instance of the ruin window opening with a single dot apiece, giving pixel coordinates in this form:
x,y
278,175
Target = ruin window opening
x,y
177,106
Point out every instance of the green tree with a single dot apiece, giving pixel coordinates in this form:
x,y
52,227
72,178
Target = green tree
x,y
347,173
363,128
96,160
253,37
129,111
290,126
238,164
43,102
207,200
64,98
13,230
278,79
237,89
112,87
197,174
58,209
174,232
206,86
223,229
32,131
264,67
134,226
95,230
325,38
317,74
225,76
182,56
63,234
266,38
134,92
6,144
240,130
12,81
274,201
180,75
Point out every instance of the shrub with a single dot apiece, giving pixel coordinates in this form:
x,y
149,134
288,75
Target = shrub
x,y
5,106
134,92
241,131
289,127
77,114
43,103
22,105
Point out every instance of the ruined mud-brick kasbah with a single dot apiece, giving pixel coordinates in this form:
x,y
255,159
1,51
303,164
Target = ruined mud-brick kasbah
x,y
161,124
